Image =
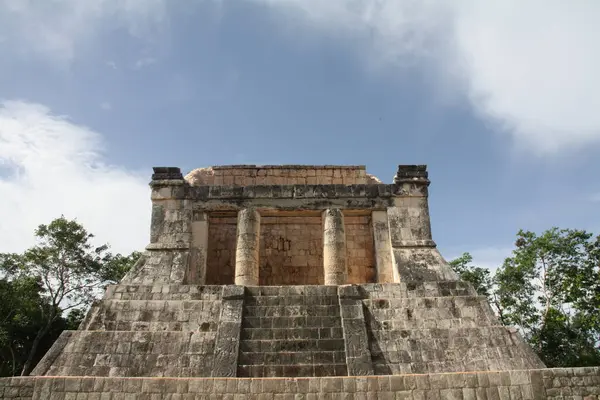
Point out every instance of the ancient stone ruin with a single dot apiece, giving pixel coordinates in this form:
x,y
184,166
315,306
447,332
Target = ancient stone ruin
x,y
293,282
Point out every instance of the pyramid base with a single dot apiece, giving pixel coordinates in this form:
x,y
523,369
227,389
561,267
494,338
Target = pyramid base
x,y
572,383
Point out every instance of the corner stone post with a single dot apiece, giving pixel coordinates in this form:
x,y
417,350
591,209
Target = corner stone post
x,y
416,257
247,248
334,247
166,259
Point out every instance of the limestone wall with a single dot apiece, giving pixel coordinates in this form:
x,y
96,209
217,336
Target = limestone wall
x,y
360,253
245,175
573,383
291,250
220,262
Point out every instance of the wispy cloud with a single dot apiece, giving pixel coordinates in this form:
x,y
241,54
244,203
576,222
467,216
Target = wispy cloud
x,y
59,28
144,62
111,64
105,105
52,167
529,67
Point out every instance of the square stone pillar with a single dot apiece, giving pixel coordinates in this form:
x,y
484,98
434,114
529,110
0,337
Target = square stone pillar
x,y
166,259
384,261
415,255
334,247
247,248
199,249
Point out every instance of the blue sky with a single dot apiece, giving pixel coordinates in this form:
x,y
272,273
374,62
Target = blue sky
x,y
500,101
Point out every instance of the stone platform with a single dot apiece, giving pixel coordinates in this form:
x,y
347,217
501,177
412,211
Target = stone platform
x,y
413,340
567,383
279,331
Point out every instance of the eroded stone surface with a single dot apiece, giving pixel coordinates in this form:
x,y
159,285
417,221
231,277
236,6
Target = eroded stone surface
x,y
576,383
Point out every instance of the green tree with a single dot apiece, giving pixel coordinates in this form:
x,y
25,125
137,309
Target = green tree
x,y
118,265
21,320
65,273
549,288
480,278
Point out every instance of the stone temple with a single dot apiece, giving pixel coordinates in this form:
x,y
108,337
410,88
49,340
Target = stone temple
x,y
293,282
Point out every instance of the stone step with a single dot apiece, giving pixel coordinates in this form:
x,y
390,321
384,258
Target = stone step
x,y
199,325
383,304
292,358
164,292
269,346
292,311
556,383
424,353
291,333
487,334
430,323
415,289
128,353
479,364
316,370
154,315
291,301
435,312
291,322
284,291
372,290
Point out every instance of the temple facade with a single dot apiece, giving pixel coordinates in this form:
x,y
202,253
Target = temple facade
x,y
291,225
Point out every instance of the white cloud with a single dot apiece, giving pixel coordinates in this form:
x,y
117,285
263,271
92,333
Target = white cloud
x,y
58,28
105,105
528,66
51,166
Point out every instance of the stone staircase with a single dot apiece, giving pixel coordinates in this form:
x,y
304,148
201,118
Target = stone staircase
x,y
290,332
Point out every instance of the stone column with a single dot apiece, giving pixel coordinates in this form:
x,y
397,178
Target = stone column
x,y
386,273
334,247
246,254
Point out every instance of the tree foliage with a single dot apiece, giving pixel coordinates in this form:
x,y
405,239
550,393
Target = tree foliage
x,y
48,288
549,288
